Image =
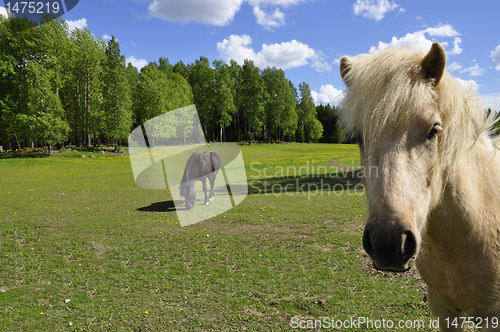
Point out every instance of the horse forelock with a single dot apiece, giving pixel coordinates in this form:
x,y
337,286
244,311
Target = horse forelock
x,y
387,90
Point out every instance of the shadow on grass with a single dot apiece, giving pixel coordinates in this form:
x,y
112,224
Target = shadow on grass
x,y
73,152
165,206
23,155
292,185
280,185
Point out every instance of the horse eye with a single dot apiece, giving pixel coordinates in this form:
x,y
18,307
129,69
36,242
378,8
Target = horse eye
x,y
434,131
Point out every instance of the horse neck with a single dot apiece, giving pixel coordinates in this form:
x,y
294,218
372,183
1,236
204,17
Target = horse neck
x,y
196,168
188,176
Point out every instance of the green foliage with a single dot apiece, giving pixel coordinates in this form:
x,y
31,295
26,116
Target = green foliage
x,y
281,115
102,98
223,107
315,130
253,97
85,100
57,85
312,128
338,134
299,134
165,66
30,79
40,113
495,130
201,78
117,94
181,69
333,131
158,92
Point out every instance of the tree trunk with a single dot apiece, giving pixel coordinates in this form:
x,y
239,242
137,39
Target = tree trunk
x,y
50,150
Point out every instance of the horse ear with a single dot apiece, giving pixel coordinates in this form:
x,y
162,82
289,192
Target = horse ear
x,y
345,67
434,63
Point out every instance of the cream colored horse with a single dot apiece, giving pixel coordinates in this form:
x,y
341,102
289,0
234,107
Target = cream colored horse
x,y
436,196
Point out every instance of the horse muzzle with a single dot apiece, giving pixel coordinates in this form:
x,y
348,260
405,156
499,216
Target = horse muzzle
x,y
391,249
189,203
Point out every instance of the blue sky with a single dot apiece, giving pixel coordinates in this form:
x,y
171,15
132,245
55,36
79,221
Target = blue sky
x,y
306,38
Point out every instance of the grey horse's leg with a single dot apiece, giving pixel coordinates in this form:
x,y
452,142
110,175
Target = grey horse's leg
x,y
212,185
204,182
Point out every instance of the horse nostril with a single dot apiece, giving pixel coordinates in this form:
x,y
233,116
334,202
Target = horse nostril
x,y
367,243
409,245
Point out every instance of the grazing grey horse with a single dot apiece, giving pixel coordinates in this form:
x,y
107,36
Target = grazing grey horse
x,y
199,167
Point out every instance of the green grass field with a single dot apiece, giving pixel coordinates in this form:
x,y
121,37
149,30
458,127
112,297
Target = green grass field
x,y
82,248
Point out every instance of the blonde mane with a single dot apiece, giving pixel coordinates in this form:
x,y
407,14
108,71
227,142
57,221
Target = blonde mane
x,y
389,89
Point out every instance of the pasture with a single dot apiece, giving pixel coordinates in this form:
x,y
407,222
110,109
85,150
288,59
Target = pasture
x,y
82,248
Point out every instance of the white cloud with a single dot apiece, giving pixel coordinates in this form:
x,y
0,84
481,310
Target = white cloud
x,y
474,70
274,19
492,101
3,12
489,101
219,12
216,12
374,9
78,24
327,95
419,39
320,65
454,66
456,46
495,56
137,63
269,21
282,3
468,84
442,31
106,37
285,55
236,48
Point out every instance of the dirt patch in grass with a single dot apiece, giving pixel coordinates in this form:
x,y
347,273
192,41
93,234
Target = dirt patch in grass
x,y
412,273
260,228
353,227
100,248
322,247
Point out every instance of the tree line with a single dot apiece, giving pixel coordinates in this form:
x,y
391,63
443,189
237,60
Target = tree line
x,y
62,87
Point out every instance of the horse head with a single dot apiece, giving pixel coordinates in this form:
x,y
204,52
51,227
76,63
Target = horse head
x,y
187,191
390,106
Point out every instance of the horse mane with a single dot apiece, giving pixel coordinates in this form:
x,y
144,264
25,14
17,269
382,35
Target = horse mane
x,y
388,90
191,160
